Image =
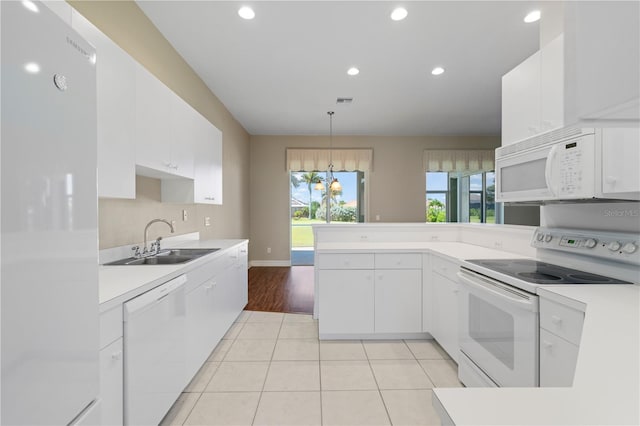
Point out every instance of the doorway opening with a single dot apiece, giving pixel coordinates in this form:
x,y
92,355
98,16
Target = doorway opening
x,y
308,206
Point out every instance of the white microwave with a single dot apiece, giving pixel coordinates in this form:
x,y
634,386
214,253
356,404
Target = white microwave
x,y
570,165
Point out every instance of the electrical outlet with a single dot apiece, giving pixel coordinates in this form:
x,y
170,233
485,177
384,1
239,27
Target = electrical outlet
x,y
268,250
184,215
207,221
377,217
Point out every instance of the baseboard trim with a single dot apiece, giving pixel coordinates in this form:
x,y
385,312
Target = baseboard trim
x,y
270,263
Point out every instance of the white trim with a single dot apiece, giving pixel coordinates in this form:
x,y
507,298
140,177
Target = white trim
x,y
282,263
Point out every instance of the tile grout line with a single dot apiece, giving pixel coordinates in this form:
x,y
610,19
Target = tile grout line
x,y
386,410
255,414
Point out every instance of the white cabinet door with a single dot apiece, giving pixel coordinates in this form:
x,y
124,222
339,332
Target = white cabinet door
x,y
347,301
445,314
521,101
153,131
427,294
398,301
620,163
552,84
182,120
201,334
208,163
558,360
116,98
111,384
602,63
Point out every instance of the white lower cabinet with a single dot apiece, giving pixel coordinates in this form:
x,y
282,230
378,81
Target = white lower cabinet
x,y
560,333
369,293
444,305
111,383
347,302
398,301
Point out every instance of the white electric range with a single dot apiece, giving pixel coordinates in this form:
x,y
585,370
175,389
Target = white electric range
x,y
499,312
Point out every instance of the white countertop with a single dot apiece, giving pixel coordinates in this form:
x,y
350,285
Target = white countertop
x,y
454,250
606,389
120,283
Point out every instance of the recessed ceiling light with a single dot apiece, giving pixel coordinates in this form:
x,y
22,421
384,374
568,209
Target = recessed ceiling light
x,y
32,68
246,12
399,13
437,71
532,16
353,71
30,5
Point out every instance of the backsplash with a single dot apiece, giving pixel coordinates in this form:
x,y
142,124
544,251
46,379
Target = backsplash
x,y
122,222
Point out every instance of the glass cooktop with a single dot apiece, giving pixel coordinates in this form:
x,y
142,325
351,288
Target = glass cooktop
x,y
536,272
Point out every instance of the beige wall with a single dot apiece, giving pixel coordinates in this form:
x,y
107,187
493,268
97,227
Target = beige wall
x,y
395,160
126,24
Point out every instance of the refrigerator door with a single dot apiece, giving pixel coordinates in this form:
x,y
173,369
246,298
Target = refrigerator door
x,y
49,268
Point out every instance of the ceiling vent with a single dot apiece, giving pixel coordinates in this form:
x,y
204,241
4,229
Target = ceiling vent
x,y
344,101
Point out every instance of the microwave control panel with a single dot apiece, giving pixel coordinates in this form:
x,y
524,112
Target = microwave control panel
x,y
573,165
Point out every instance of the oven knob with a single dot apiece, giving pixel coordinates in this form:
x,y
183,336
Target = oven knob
x,y
629,248
547,238
613,246
540,237
590,243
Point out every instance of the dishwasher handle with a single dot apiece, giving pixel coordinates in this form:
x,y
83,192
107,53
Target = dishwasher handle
x,y
137,304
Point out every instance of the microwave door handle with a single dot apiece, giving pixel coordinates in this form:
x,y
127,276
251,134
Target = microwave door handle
x,y
548,169
512,296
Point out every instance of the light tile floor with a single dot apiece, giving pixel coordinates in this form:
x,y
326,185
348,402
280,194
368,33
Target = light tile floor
x,y
270,369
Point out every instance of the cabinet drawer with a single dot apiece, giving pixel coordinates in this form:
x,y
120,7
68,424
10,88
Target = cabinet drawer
x,y
345,261
561,320
398,260
444,267
557,360
110,326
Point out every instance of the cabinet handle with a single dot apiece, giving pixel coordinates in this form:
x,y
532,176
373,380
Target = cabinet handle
x,y
547,345
210,198
556,320
116,356
243,251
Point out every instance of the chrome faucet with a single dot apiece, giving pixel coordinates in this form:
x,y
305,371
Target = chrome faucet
x,y
155,247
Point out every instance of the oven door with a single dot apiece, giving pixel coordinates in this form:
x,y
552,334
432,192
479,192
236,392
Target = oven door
x,y
499,330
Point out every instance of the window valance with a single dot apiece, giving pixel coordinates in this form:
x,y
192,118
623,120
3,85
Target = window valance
x,y
458,160
302,159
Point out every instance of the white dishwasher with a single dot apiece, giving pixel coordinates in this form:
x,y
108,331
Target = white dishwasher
x,y
154,361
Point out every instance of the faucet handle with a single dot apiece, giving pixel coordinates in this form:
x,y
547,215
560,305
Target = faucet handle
x,y
136,251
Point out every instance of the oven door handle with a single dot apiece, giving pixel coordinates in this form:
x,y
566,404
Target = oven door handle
x,y
495,288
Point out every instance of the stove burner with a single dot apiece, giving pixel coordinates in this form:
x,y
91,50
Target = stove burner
x,y
536,272
538,276
589,278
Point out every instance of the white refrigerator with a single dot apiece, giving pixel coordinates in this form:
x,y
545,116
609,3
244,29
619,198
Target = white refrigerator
x,y
48,221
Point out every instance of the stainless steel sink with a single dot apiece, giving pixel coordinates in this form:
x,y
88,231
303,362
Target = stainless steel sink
x,y
165,257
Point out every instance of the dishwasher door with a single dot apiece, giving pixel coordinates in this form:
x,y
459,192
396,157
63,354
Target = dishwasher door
x,y
154,357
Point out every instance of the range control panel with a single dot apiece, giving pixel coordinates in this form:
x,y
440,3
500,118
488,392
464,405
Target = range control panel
x,y
622,247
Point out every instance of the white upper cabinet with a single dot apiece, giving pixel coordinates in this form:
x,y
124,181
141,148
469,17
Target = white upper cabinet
x,y
116,112
521,101
208,163
602,63
620,159
163,147
533,94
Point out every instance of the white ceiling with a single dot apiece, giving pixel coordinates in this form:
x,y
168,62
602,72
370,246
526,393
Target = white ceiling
x,y
279,73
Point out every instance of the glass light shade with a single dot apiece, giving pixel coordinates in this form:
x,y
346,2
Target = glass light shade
x,y
335,185
319,186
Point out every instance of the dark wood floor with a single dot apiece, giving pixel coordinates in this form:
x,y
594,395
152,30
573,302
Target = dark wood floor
x,y
279,289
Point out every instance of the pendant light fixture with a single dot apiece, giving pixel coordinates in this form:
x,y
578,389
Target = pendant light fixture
x,y
334,185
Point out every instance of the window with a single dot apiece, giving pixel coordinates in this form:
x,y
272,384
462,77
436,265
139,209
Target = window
x,y
455,197
437,196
